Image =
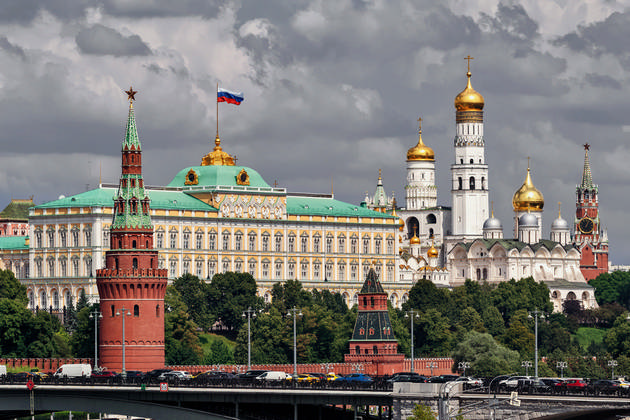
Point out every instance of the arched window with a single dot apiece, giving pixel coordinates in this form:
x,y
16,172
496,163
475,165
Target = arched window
x,y
431,219
375,350
430,232
157,310
472,182
113,308
472,161
135,263
459,183
133,244
357,350
372,301
483,182
136,310
485,274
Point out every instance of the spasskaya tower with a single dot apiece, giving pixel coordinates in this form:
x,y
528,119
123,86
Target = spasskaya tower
x,y
131,288
589,237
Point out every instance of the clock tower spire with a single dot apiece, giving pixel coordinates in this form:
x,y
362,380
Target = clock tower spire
x,y
589,237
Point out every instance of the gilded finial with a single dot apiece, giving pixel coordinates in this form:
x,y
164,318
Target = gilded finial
x,y
587,146
379,173
131,95
419,125
492,209
468,58
527,163
559,213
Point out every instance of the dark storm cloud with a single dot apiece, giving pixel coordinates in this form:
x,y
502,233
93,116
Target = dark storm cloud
x,y
162,8
24,11
11,48
601,80
608,36
101,40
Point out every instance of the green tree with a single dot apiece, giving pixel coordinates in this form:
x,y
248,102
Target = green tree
x,y
82,338
11,288
196,293
493,321
220,354
425,295
471,320
422,412
486,356
518,335
15,320
434,333
181,340
230,295
617,339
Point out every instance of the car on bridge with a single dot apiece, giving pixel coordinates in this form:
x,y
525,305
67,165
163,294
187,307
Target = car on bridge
x,y
441,379
175,375
604,387
407,377
357,378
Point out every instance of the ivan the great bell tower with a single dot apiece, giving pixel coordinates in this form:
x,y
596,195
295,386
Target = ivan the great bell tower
x,y
131,288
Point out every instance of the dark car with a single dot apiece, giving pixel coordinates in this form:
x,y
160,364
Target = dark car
x,y
604,387
215,376
494,383
443,379
407,377
532,386
153,374
250,375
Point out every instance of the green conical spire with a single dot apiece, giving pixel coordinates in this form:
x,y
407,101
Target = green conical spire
x,y
587,178
131,203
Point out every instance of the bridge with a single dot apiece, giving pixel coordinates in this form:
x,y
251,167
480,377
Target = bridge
x,y
221,403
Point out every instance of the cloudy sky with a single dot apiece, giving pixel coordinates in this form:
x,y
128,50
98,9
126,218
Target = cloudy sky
x,y
333,90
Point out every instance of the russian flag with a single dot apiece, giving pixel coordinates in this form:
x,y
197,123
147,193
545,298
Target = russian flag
x,y
224,95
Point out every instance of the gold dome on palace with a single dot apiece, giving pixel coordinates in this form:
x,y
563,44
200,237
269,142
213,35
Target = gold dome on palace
x,y
433,252
528,197
217,156
420,151
469,99
414,240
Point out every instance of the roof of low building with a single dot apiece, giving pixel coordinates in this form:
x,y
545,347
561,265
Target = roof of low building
x,y
17,210
13,242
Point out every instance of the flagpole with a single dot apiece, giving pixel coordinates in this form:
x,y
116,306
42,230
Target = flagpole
x,y
217,101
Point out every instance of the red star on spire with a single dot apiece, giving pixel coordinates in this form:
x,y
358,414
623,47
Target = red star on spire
x,y
131,94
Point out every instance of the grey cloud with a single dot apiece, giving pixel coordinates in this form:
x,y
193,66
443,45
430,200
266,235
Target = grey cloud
x,y
601,80
101,40
608,36
11,48
162,8
24,11
512,23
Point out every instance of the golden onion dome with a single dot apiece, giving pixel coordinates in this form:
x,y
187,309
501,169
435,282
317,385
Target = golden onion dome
x,y
401,225
469,99
528,197
433,252
420,151
415,240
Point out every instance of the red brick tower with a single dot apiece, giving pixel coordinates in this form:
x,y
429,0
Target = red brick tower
x,y
373,337
590,238
131,279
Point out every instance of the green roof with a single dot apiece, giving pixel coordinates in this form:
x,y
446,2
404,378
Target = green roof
x,y
325,206
104,197
13,242
17,210
215,175
565,284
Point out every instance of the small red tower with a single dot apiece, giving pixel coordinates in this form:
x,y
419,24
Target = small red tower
x,y
590,238
131,286
373,338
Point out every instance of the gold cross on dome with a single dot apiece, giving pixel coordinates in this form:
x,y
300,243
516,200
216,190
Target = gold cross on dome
x,y
469,58
419,124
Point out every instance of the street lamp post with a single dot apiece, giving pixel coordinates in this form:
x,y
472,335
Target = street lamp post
x,y
431,365
536,314
124,313
562,366
413,313
612,364
96,314
526,364
249,313
294,312
463,366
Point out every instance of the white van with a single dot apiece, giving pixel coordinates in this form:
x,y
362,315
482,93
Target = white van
x,y
273,375
73,370
3,370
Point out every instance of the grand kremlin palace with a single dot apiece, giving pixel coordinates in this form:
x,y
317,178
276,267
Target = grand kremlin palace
x,y
214,218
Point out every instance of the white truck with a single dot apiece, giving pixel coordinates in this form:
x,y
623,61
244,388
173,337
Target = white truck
x,y
75,370
273,376
3,370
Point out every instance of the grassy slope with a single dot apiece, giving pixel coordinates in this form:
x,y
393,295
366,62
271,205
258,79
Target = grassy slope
x,y
586,335
206,340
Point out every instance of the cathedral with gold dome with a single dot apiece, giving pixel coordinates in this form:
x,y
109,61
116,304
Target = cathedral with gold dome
x,y
449,244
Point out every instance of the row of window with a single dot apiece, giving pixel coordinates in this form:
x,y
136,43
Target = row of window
x,y
471,183
250,242
42,301
275,270
62,235
51,267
